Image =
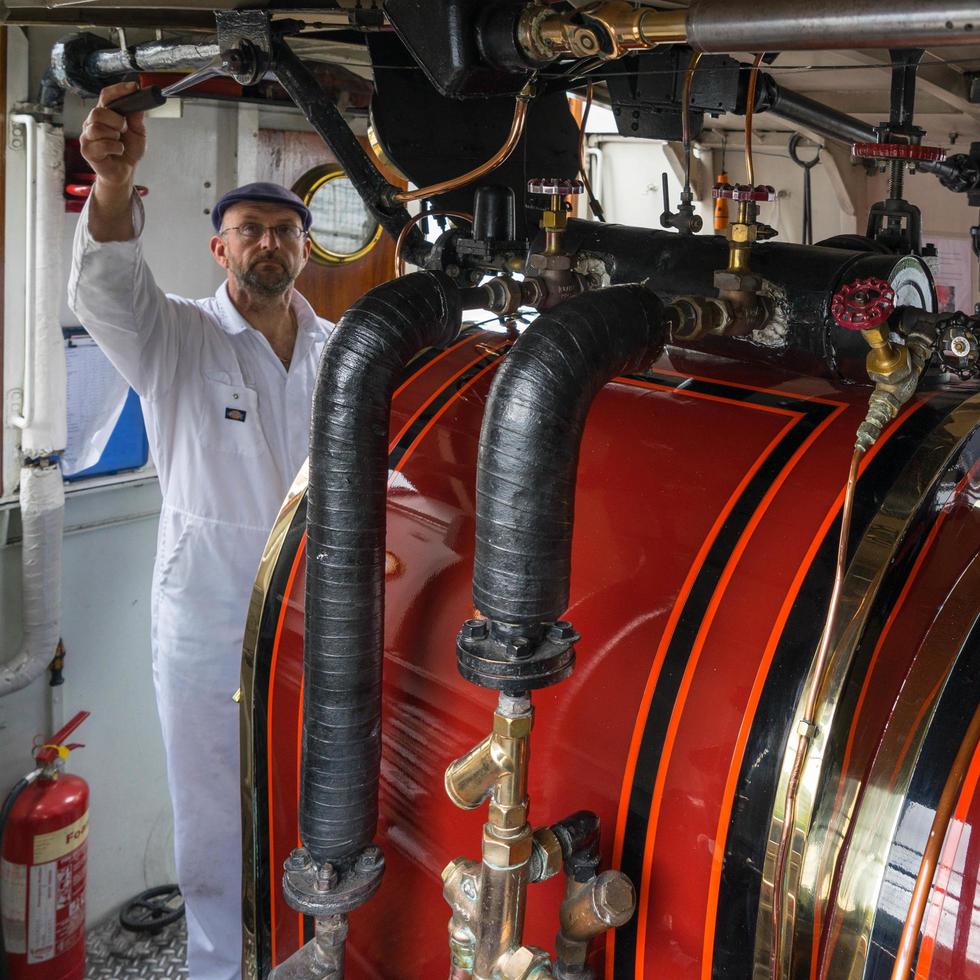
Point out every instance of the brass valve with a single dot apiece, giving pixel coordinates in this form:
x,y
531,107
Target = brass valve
x,y
605,30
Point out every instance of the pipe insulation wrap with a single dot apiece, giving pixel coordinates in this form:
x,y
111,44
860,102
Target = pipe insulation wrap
x,y
825,25
47,429
42,510
345,553
530,440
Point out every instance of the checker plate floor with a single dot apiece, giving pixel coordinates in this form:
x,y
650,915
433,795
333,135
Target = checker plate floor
x,y
114,953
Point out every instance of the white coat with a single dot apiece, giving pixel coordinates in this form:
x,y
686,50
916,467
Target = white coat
x,y
228,429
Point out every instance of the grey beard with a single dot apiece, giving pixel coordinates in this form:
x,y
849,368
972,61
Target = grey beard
x,y
276,287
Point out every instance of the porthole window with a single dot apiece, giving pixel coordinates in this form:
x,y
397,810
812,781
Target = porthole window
x,y
343,229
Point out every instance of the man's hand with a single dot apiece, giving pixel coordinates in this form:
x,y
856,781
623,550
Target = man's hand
x,y
113,145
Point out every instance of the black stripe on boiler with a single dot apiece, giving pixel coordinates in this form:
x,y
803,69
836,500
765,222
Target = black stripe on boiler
x,y
438,404
745,848
810,415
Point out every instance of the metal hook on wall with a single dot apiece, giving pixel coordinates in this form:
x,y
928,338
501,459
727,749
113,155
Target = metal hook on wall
x,y
794,144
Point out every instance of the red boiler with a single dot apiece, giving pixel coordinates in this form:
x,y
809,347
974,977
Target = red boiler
x,y
708,505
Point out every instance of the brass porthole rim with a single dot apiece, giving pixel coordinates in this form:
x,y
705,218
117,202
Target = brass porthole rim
x,y
306,187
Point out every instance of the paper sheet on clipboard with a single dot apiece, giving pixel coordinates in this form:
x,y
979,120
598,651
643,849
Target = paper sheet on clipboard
x,y
96,396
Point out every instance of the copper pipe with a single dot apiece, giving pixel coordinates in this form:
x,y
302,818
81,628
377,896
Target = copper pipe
x,y
930,856
583,169
513,137
411,223
807,727
692,67
749,113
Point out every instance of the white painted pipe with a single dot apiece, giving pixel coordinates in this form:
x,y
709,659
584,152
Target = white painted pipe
x,y
43,421
42,509
26,416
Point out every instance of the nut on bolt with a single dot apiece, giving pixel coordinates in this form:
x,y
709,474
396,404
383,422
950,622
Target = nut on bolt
x,y
476,629
299,859
562,631
369,859
525,963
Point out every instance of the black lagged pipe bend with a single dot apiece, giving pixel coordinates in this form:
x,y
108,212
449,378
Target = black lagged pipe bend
x,y
345,553
529,447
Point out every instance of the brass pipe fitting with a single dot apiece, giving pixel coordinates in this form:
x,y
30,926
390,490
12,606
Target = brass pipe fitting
x,y
605,30
490,908
590,908
886,361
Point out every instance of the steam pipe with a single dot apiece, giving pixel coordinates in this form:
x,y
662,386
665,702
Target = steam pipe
x,y
529,446
825,25
361,365
800,110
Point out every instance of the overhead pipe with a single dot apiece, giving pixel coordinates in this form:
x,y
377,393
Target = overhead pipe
x,y
825,25
810,114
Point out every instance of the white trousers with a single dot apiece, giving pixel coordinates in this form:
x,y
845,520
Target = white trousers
x,y
201,737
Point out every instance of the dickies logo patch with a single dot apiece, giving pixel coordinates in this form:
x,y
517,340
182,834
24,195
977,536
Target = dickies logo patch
x,y
235,414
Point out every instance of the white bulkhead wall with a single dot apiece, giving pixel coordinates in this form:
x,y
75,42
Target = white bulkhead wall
x,y
110,530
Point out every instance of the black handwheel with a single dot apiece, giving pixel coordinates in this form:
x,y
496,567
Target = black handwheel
x,y
152,910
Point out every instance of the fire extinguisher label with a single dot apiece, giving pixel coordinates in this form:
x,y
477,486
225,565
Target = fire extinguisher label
x,y
13,896
50,847
56,906
42,910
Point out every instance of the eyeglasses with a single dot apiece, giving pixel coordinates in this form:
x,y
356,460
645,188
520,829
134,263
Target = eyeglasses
x,y
252,231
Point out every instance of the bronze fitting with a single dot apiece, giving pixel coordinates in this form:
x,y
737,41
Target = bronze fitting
x,y
547,850
525,963
600,30
887,362
505,851
590,908
473,777
692,317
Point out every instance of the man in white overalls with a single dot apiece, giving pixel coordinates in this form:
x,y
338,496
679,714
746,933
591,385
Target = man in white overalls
x,y
226,385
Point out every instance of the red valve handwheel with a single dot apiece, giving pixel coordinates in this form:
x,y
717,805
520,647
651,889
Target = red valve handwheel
x,y
899,151
562,186
863,304
744,192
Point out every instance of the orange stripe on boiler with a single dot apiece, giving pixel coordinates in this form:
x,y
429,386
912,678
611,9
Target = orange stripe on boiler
x,y
269,729
941,887
433,397
678,707
731,783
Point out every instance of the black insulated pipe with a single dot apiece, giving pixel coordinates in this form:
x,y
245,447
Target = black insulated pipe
x,y
529,447
345,553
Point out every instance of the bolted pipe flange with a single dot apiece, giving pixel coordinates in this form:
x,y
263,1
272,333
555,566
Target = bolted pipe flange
x,y
514,663
331,889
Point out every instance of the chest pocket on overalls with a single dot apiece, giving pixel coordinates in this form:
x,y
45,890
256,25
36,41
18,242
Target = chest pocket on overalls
x,y
231,423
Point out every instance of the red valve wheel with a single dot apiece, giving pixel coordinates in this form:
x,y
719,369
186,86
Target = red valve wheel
x,y
744,192
863,304
560,186
899,151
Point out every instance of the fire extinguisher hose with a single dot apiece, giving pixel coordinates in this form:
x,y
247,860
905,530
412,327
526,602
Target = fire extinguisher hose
x,y
8,805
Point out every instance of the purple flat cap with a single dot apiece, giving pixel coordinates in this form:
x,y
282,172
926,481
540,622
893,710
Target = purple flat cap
x,y
267,194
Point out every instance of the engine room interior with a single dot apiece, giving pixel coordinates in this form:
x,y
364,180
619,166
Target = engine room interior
x,y
541,540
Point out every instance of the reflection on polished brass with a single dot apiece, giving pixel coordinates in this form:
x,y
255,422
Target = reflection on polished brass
x,y
887,361
488,915
260,592
590,908
598,30
905,958
820,822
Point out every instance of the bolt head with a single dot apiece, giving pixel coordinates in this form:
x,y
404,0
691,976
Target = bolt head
x,y
475,629
561,631
299,860
369,859
519,648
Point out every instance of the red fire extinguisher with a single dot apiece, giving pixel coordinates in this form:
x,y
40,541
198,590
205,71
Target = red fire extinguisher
x,y
44,828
